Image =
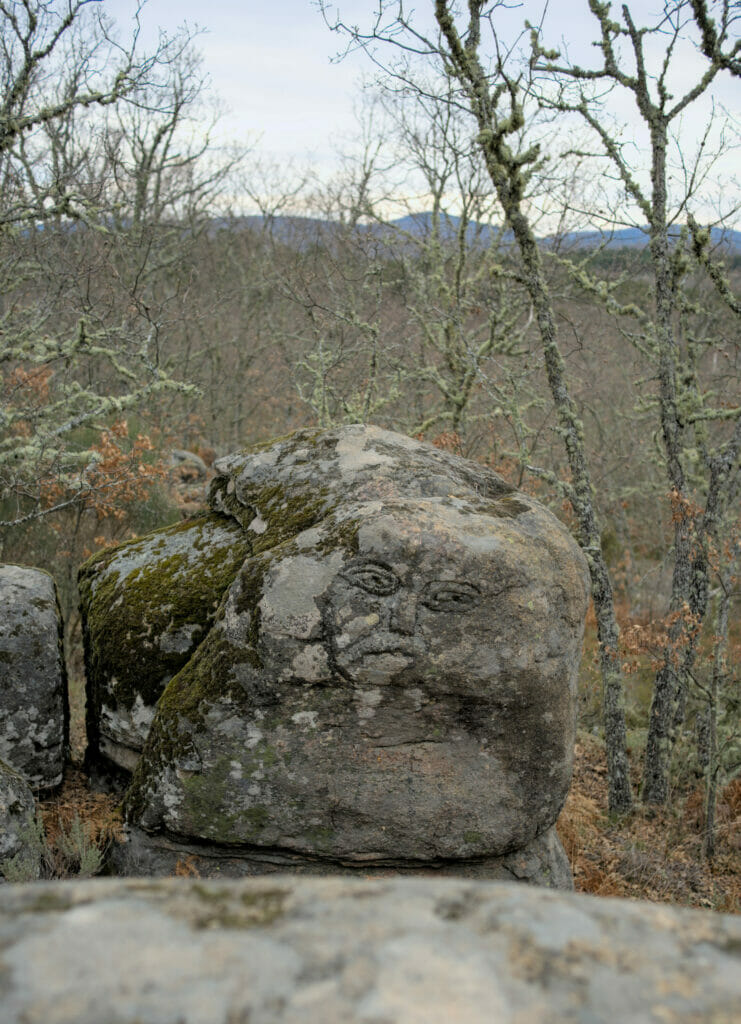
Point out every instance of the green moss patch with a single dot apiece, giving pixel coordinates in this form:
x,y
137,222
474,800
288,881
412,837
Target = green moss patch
x,y
287,515
126,616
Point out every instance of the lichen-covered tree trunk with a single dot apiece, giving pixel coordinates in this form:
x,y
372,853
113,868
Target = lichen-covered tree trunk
x,y
688,601
506,170
718,680
663,717
618,769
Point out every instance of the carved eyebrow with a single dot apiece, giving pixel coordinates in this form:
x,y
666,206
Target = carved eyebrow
x,y
372,577
450,595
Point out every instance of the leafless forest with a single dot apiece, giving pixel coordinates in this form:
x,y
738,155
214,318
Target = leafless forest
x,y
493,269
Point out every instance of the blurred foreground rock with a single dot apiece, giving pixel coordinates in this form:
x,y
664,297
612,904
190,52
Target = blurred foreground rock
x,y
330,951
34,717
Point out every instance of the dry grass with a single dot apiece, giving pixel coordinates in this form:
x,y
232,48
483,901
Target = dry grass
x,y
652,854
99,812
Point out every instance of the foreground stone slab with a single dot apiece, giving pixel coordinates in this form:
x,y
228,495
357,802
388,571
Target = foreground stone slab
x,y
329,951
34,712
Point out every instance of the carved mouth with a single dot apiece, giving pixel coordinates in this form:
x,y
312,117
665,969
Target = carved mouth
x,y
384,643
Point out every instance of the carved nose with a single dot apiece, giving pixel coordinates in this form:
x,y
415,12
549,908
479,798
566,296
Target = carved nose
x,y
403,615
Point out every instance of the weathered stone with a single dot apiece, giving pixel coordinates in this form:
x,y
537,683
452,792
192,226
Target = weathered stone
x,y
189,477
541,862
17,816
33,683
146,605
190,464
300,951
389,679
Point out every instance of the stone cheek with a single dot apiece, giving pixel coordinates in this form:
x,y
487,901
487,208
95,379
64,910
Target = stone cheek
x,y
287,607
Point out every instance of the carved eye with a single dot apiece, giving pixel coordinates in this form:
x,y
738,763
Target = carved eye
x,y
374,578
451,596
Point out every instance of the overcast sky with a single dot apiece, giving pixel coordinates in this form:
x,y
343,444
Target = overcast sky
x,y
270,63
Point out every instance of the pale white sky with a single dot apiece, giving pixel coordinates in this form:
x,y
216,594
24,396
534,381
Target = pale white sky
x,y
270,63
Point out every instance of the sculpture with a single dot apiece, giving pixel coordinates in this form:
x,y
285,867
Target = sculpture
x,y
390,680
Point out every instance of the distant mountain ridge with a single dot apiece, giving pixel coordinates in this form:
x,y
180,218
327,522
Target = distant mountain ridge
x,y
623,238
418,225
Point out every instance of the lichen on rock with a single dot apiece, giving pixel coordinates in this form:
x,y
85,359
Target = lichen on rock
x,y
274,951
146,605
34,716
18,854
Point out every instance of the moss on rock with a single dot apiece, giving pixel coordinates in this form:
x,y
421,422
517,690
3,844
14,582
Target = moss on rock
x,y
147,604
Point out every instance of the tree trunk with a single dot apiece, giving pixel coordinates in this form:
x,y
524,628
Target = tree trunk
x,y
507,174
620,797
664,716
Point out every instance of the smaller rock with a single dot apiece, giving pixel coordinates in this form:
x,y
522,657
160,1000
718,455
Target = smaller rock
x,y
146,605
189,478
18,858
34,714
188,465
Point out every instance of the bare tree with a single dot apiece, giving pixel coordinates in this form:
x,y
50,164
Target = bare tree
x,y
466,308
494,97
698,432
100,190
505,92
718,44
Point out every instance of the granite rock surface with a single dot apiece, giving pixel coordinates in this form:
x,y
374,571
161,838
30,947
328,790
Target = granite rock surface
x,y
542,861
34,717
17,813
389,677
146,605
411,951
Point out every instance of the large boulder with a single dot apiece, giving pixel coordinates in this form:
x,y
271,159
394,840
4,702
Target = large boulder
x,y
338,951
18,856
390,676
34,716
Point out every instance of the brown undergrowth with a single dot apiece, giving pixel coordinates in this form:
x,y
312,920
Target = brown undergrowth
x,y
654,853
76,801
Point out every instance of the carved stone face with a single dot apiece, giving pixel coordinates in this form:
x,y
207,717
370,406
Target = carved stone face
x,y
438,657
449,601
382,620
391,675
